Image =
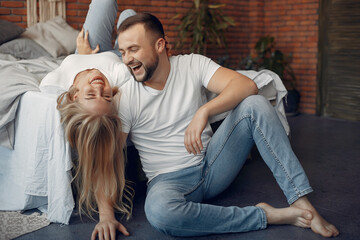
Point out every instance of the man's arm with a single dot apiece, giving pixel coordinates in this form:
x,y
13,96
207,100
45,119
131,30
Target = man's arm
x,y
232,88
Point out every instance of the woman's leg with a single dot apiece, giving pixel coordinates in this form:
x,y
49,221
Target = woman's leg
x,y
99,22
123,15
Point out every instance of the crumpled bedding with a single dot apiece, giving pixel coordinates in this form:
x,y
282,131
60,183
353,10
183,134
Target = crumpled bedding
x,y
36,173
16,78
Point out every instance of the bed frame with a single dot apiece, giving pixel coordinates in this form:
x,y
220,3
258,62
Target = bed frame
x,y
43,10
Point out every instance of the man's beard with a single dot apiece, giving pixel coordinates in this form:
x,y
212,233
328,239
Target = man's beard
x,y
149,70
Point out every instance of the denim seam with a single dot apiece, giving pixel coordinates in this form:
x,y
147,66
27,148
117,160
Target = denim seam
x,y
171,228
263,223
224,142
276,158
195,187
299,195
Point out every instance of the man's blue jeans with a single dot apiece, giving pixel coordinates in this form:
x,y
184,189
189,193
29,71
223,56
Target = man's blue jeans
x,y
173,203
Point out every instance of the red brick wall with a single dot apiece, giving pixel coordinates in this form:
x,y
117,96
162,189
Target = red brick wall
x,y
293,23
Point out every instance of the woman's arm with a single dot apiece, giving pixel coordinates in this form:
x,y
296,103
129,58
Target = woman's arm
x,y
107,226
83,45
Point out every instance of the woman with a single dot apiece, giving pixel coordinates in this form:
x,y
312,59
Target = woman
x,y
88,110
94,130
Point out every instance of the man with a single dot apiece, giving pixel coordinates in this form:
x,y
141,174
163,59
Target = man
x,y
166,116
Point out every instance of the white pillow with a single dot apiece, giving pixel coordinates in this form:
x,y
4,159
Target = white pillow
x,y
55,36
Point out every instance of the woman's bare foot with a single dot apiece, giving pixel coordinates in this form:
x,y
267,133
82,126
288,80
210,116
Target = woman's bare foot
x,y
290,215
318,224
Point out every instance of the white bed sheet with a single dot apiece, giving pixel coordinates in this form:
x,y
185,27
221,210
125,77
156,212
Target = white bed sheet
x,y
37,172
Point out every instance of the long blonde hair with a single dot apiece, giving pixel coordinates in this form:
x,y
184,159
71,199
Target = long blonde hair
x,y
101,160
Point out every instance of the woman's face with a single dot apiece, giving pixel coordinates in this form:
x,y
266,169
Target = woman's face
x,y
95,92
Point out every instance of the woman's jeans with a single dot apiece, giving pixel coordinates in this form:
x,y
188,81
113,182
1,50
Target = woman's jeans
x,y
173,203
100,21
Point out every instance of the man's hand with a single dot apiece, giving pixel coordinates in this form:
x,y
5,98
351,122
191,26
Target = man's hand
x,y
83,45
192,139
106,229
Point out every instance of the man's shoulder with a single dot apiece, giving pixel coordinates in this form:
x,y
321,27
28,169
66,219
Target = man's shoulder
x,y
186,56
191,59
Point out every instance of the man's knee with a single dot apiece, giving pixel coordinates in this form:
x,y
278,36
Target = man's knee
x,y
255,103
163,212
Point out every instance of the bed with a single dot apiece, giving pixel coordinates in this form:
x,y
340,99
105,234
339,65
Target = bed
x,y
35,158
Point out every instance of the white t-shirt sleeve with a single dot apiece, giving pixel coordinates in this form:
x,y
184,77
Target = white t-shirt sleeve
x,y
203,67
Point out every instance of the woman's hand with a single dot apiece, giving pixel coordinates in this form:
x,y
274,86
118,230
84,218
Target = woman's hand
x,y
192,139
83,45
106,229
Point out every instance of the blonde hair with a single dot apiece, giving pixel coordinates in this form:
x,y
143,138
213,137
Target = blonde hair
x,y
101,161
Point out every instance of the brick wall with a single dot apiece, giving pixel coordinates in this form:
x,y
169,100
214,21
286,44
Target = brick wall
x,y
293,23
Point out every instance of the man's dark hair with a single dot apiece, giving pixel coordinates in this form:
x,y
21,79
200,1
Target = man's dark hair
x,y
150,22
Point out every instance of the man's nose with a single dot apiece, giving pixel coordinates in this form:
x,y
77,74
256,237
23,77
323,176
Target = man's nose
x,y
127,59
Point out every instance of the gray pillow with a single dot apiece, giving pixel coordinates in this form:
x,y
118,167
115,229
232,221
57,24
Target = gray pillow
x,y
23,48
8,31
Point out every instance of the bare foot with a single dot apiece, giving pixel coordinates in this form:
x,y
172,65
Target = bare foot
x,y
318,224
290,215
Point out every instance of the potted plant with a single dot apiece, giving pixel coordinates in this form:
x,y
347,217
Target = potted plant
x,y
203,23
266,56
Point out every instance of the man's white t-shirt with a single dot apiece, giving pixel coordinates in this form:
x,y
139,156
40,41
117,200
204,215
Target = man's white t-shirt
x,y
156,120
107,62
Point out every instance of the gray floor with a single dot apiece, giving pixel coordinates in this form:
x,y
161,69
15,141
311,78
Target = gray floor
x,y
329,150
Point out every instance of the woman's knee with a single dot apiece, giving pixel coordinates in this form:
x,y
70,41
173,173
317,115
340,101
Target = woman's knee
x,y
106,5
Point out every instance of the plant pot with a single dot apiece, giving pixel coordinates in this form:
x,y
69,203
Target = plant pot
x,y
291,103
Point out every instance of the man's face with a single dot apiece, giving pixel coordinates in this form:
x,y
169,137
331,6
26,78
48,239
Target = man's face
x,y
138,52
94,91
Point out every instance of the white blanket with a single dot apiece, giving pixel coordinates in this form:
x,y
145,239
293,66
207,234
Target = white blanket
x,y
36,174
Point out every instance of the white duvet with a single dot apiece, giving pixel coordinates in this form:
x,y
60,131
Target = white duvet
x,y
36,173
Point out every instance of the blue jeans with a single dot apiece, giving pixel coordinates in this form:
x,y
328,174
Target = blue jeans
x,y
100,21
173,203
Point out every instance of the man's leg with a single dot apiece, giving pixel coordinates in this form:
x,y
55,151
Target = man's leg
x,y
173,201
254,120
173,206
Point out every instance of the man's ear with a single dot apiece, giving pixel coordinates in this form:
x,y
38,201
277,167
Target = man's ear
x,y
160,45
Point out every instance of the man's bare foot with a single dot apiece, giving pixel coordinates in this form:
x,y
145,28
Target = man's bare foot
x,y
318,224
290,215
